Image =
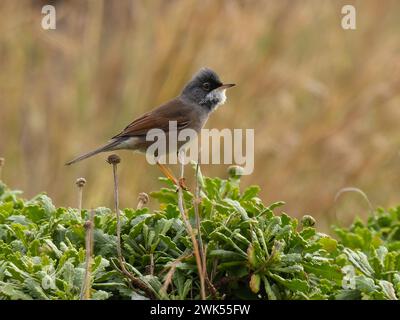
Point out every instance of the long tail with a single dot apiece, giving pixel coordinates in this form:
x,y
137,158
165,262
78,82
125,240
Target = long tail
x,y
108,147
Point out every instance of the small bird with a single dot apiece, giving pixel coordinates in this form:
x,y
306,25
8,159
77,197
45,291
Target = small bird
x,y
191,109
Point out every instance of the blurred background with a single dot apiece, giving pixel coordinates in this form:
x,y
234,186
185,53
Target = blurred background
x,y
324,102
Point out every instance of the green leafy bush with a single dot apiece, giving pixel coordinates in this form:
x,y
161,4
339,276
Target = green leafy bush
x,y
251,251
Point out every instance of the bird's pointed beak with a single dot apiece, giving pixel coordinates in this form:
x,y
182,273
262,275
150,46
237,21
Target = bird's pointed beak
x,y
227,85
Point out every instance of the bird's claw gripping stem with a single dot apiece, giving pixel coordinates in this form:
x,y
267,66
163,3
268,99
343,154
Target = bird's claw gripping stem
x,y
182,184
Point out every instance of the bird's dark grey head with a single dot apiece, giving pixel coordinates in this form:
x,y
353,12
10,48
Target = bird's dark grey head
x,y
206,89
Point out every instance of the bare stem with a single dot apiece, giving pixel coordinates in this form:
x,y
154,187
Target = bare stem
x,y
190,231
80,196
86,285
114,160
196,203
116,202
170,274
152,264
202,249
80,182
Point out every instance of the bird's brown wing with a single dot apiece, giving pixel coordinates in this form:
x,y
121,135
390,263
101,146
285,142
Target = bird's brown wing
x,y
159,118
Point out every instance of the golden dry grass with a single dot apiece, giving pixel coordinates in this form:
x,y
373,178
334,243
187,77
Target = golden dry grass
x,y
324,102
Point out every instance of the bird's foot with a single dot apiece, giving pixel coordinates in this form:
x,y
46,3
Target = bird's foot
x,y
182,184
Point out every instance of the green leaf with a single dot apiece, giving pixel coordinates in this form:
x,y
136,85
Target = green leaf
x,y
218,236
250,193
35,213
348,295
292,284
53,247
270,293
170,244
360,261
323,269
329,244
236,205
100,295
226,255
365,284
387,288
13,292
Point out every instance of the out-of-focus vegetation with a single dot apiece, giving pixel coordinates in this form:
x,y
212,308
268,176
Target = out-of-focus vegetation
x,y
251,252
324,102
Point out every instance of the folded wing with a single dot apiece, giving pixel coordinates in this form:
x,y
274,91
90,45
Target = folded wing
x,y
159,118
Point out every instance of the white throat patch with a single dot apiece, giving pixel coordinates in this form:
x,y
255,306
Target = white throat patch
x,y
217,97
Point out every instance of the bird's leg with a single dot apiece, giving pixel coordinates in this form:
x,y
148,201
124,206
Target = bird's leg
x,y
167,172
182,180
182,184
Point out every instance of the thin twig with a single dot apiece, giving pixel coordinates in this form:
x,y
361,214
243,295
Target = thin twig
x,y
86,285
190,230
170,274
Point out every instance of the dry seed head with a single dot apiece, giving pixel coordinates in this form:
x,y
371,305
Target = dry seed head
x,y
2,162
143,197
88,224
113,159
307,221
235,172
80,182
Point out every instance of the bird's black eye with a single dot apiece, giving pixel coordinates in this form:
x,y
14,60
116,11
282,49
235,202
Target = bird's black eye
x,y
206,86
